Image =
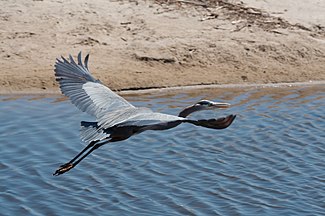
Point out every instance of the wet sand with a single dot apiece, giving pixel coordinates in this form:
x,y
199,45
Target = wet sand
x,y
153,44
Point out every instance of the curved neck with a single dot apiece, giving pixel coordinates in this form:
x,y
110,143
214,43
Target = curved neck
x,y
188,110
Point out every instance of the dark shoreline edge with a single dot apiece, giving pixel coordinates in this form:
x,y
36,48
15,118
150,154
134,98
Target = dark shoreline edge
x,y
132,91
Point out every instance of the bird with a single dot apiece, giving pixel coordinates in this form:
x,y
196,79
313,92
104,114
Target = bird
x,y
116,118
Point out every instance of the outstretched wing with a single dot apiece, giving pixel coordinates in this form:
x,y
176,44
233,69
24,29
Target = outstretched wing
x,y
84,91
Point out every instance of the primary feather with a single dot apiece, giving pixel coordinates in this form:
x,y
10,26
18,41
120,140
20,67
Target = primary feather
x,y
84,91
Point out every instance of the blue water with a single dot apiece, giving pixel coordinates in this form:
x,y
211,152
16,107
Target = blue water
x,y
270,161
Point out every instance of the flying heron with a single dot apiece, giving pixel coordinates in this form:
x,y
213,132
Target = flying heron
x,y
116,118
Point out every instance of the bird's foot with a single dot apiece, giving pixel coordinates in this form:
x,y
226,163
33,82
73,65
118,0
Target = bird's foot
x,y
63,168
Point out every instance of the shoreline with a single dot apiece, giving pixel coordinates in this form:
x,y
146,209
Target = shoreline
x,y
176,88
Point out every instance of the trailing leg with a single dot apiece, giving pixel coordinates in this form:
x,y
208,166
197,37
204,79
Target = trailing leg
x,y
66,167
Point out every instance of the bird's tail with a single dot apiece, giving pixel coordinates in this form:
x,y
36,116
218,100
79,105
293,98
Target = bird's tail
x,y
91,131
220,123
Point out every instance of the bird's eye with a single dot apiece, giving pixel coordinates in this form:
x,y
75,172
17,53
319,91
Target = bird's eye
x,y
204,103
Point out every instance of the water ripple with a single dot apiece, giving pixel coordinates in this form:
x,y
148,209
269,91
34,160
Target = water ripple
x,y
269,162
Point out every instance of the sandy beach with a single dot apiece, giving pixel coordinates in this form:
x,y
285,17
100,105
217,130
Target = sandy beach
x,y
152,44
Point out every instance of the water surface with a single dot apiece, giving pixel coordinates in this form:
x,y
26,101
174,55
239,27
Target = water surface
x,y
271,161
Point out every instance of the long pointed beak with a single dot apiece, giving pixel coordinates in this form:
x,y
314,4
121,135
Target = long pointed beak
x,y
220,105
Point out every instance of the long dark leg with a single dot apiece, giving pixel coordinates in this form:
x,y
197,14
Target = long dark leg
x,y
96,146
66,167
91,144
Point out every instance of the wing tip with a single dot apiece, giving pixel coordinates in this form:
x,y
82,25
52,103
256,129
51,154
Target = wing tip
x,y
72,61
86,61
79,59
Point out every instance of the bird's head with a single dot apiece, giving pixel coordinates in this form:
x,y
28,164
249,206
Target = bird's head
x,y
209,105
203,105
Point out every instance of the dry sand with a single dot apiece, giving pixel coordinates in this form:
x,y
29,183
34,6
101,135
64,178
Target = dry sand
x,y
149,44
